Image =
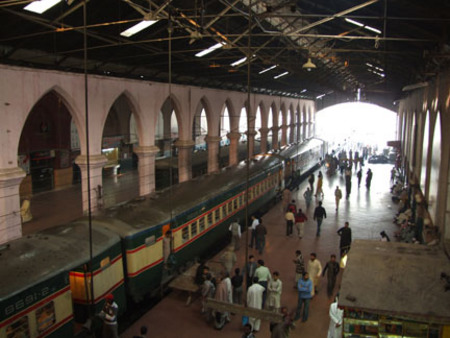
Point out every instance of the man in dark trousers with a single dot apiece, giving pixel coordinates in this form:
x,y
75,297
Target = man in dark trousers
x,y
346,238
369,179
332,269
319,215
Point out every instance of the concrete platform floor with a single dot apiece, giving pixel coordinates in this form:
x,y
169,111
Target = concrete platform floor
x,y
368,212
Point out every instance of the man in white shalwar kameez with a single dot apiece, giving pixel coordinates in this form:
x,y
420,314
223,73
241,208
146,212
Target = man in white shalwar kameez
x,y
336,314
255,300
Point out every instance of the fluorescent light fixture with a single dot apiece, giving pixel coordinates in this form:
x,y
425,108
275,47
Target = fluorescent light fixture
x,y
356,23
303,91
267,69
210,49
40,6
280,75
372,29
359,24
320,96
238,62
138,27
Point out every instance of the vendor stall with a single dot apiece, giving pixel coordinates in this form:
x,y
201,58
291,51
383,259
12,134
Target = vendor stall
x,y
395,290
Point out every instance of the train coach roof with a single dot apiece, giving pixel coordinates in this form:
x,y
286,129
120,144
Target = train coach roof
x,y
142,213
30,260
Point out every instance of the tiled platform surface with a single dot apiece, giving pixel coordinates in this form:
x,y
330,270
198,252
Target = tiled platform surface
x,y
369,212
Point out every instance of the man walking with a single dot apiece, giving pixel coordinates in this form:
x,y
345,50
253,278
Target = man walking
x,y
300,219
305,287
332,270
255,300
235,229
290,219
255,223
359,176
260,233
346,238
264,276
314,269
369,178
319,215
308,197
337,196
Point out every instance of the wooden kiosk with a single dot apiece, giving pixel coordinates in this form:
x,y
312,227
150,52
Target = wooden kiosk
x,y
395,290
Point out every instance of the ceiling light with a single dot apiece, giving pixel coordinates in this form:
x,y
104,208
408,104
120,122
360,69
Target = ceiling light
x,y
238,62
210,49
320,96
267,69
372,29
309,65
356,23
303,91
40,6
138,27
280,75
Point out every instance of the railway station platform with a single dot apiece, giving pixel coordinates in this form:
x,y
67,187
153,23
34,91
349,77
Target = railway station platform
x,y
369,213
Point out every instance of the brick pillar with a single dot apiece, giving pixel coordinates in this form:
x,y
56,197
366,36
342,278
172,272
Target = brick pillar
x,y
184,159
96,163
10,221
264,132
213,152
146,168
234,143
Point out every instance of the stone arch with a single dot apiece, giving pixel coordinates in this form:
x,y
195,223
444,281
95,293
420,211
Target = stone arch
x,y
45,148
201,124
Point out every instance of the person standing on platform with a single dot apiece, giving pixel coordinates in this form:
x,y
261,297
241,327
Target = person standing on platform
x,y
208,290
109,316
346,238
290,219
221,295
299,266
305,292
319,190
369,178
235,229
255,300
359,176
319,215
308,197
264,276
228,259
250,270
260,233
336,316
311,179
348,183
167,248
332,269
314,270
300,219
275,287
282,330
255,223
337,196
237,281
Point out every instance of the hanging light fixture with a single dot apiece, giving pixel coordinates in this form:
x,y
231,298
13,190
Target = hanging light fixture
x,y
309,65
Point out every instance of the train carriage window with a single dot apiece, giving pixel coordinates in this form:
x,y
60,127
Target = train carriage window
x,y
210,219
235,204
230,207
241,199
185,234
217,215
193,229
19,328
45,317
201,224
224,210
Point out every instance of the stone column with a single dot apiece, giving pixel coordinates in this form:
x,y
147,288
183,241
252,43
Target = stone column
x,y
251,143
10,221
96,164
213,153
292,133
283,135
184,159
275,138
298,136
234,143
146,168
264,132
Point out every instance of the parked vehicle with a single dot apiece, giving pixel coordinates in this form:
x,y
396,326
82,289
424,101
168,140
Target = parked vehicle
x,y
378,159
